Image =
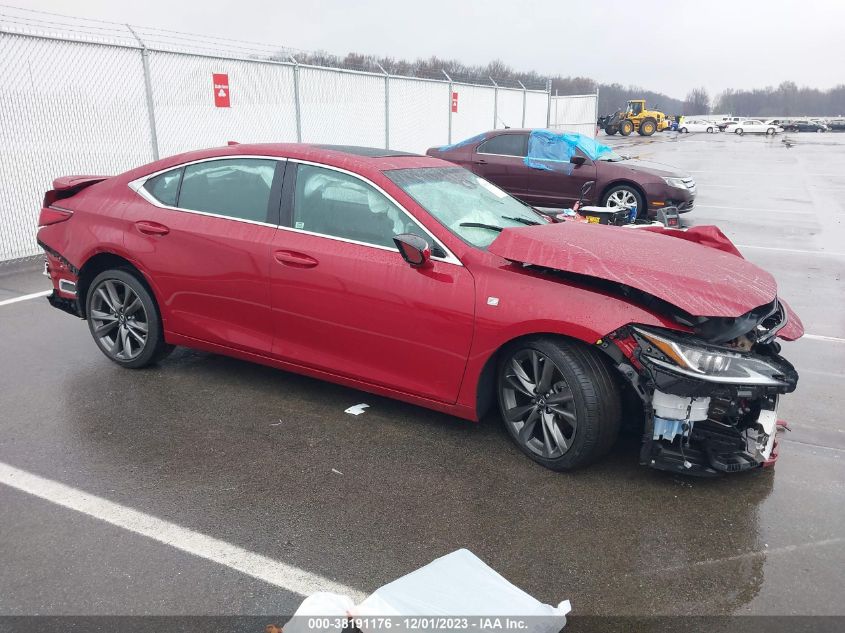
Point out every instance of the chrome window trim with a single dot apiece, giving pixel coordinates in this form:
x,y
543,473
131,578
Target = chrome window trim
x,y
487,140
450,256
137,186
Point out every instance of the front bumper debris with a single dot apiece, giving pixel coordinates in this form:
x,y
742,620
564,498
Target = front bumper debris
x,y
699,427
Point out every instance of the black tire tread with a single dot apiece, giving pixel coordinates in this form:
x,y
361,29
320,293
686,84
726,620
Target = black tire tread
x,y
160,348
597,387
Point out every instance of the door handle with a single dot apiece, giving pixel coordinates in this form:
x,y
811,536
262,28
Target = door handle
x,y
297,260
480,161
151,228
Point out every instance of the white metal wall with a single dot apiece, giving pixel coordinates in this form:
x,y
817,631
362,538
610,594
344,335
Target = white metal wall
x,y
475,111
509,108
83,107
575,113
65,108
536,109
262,104
342,108
419,114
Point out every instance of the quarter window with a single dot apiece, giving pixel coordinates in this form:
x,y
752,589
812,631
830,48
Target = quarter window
x,y
235,187
165,187
337,204
506,145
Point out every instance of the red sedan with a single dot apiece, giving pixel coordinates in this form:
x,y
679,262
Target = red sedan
x,y
409,277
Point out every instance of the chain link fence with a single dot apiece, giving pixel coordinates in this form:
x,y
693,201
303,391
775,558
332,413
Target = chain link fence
x,y
575,113
91,97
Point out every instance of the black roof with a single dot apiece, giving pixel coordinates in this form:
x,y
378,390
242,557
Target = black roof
x,y
369,152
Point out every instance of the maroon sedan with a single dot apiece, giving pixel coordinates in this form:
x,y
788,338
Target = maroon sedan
x,y
499,156
412,278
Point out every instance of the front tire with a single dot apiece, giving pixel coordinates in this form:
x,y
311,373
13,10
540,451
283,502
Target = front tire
x,y
559,402
738,131
626,127
623,197
684,130
124,320
770,131
710,130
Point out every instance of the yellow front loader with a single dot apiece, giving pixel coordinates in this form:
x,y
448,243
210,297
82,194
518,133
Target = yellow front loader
x,y
635,118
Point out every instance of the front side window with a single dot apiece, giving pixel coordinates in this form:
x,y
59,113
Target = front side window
x,y
332,203
506,145
165,187
469,206
233,187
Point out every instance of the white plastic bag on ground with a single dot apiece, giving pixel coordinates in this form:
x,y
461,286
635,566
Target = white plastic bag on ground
x,y
458,584
320,612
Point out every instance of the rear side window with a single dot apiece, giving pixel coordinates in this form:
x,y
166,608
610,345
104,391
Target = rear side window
x,y
236,187
165,187
506,145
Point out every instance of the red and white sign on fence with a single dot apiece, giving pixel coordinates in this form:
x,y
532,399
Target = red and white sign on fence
x,y
221,89
454,102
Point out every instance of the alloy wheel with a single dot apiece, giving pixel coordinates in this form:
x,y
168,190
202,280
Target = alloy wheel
x,y
622,198
119,319
538,404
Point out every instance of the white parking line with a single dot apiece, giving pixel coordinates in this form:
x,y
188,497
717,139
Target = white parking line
x,y
761,209
34,295
829,339
786,549
266,569
791,250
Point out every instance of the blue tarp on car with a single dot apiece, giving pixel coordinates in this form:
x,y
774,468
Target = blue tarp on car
x,y
552,150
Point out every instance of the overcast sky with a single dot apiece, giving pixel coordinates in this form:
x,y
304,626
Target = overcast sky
x,y
666,45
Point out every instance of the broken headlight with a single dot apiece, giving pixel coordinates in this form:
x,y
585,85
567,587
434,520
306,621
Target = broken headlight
x,y
691,357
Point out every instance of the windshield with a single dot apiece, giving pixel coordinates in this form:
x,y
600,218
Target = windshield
x,y
469,206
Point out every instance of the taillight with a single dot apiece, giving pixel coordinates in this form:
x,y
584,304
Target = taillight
x,y
51,215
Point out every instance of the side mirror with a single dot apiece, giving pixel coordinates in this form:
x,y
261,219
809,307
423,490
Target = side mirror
x,y
414,249
575,159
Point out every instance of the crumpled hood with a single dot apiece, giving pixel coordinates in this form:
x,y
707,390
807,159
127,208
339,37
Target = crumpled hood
x,y
650,167
702,281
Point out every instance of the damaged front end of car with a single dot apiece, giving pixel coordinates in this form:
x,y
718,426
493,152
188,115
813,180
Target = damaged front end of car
x,y
710,391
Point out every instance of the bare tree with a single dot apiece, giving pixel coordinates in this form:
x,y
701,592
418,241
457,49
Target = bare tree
x,y
697,102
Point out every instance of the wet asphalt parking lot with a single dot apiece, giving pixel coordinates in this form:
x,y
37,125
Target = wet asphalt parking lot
x,y
268,464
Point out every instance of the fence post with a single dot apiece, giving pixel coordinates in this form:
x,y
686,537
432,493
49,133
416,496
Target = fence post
x,y
386,106
449,79
148,90
524,97
296,99
548,103
495,101
597,112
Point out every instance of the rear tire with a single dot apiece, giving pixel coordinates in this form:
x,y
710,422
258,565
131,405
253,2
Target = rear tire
x,y
684,130
710,130
124,320
738,131
559,401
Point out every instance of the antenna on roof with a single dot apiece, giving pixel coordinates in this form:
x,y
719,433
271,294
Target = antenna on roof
x,y
230,143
